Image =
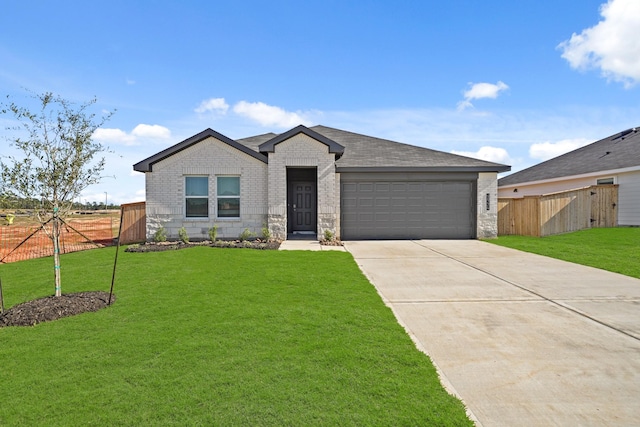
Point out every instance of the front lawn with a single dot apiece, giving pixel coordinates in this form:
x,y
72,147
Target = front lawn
x,y
208,336
613,249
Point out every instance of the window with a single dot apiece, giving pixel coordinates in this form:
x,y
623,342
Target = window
x,y
228,197
604,181
196,196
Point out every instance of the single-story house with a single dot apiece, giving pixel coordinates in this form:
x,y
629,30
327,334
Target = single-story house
x,y
612,160
309,180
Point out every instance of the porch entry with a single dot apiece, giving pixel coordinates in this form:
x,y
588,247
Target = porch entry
x,y
302,202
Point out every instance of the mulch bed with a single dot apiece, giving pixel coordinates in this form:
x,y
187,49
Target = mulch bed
x,y
170,246
51,308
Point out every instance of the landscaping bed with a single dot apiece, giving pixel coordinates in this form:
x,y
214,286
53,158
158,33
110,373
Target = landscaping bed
x,y
50,308
169,246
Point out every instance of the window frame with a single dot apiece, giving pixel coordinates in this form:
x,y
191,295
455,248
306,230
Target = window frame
x,y
219,197
200,197
611,178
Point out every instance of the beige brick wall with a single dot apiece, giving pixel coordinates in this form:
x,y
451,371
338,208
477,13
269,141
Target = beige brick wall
x,y
166,198
299,151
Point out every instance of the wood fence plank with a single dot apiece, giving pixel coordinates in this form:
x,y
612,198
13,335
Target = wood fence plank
x,y
560,212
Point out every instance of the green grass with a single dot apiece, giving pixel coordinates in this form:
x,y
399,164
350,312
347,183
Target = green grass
x,y
613,249
208,336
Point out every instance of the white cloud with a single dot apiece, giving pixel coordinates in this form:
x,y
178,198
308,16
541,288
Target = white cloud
x,y
488,153
214,105
151,131
114,135
141,131
480,91
548,150
269,115
612,45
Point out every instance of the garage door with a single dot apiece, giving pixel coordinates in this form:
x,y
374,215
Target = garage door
x,y
407,209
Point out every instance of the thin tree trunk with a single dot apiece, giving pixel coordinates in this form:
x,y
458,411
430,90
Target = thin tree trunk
x,y
56,252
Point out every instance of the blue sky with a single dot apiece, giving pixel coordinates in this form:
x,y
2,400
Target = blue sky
x,y
514,82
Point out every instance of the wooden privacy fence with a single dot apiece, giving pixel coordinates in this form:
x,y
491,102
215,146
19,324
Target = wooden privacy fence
x,y
562,212
134,223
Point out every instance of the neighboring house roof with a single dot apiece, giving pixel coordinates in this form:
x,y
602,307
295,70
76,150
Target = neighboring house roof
x,y
355,152
618,151
146,165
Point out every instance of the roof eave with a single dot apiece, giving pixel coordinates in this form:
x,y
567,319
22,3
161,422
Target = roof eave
x,y
569,177
348,169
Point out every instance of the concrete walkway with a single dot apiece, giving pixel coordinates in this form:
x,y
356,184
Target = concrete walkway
x,y
524,340
308,245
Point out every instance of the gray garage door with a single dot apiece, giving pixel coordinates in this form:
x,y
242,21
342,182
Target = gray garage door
x,y
407,209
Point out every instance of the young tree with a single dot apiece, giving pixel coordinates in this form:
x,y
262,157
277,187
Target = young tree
x,y
59,159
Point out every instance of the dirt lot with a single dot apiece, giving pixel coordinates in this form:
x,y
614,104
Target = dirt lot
x,y
76,235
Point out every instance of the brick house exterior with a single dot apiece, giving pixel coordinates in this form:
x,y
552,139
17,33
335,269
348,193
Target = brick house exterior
x,y
310,180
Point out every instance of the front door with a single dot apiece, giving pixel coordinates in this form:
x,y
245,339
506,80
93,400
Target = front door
x,y
302,207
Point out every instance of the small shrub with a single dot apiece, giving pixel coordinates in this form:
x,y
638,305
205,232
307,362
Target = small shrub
x,y
245,235
328,235
213,233
160,235
266,234
182,234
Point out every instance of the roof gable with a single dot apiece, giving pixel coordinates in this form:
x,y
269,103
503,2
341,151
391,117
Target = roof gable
x,y
618,151
269,146
146,165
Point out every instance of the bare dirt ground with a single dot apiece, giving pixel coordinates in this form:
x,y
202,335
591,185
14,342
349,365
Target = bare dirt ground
x,y
50,308
99,228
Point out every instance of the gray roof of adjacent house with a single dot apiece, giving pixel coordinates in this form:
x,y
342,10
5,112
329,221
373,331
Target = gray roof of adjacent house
x,y
355,152
618,151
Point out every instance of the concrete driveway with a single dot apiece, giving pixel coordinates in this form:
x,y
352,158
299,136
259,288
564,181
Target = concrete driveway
x,y
522,339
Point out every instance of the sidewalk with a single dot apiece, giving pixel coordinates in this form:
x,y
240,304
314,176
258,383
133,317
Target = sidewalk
x,y
308,245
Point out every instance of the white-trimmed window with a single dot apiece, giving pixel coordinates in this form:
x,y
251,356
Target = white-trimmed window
x,y
603,181
196,196
228,195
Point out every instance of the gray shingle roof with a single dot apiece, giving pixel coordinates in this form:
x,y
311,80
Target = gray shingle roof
x,y
254,142
359,152
618,151
363,151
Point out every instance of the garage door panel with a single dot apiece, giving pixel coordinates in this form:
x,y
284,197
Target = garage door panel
x,y
381,187
412,209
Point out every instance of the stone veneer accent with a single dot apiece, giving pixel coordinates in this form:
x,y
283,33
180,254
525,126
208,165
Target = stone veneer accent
x,y
211,157
301,151
487,222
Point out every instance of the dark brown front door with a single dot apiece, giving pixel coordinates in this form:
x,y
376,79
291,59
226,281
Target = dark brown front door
x,y
302,206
